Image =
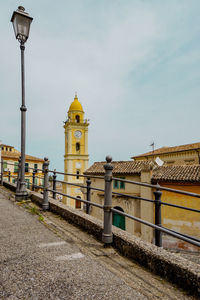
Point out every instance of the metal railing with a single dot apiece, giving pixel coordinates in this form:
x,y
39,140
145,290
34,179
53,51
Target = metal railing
x,y
108,210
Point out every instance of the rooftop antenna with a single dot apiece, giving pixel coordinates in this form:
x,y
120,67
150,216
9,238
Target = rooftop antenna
x,y
153,146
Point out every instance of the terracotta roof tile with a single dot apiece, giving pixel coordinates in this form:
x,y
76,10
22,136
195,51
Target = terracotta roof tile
x,y
177,173
15,155
4,145
120,167
164,150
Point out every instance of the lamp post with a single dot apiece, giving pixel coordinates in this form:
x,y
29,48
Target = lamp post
x,y
21,24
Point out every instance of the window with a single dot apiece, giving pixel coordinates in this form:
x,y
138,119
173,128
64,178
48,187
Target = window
x,y
77,119
122,184
115,184
5,165
35,167
78,202
15,167
119,184
77,146
26,167
77,173
10,149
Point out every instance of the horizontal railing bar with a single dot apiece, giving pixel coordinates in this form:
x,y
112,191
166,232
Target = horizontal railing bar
x,y
186,235
83,186
156,186
32,168
70,183
156,227
129,196
74,198
179,206
133,197
80,175
38,186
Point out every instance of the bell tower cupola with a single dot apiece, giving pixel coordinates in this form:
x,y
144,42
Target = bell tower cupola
x,y
75,112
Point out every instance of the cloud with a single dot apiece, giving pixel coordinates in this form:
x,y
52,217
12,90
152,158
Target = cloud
x,y
127,60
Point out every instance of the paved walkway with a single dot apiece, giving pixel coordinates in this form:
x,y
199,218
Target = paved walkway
x,y
44,257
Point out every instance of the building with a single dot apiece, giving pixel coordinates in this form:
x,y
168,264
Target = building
x,y
183,178
178,177
76,152
10,157
130,170
179,155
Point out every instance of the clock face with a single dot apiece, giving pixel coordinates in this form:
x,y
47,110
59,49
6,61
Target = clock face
x,y
78,134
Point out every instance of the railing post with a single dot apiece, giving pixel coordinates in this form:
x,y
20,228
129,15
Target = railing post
x,y
18,175
54,184
107,236
45,204
1,171
158,221
8,176
88,181
33,180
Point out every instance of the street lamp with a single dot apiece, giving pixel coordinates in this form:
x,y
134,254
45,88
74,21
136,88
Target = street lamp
x,y
21,24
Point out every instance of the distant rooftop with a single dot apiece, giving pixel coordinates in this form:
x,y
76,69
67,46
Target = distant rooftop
x,y
4,145
16,155
120,167
9,152
176,173
165,150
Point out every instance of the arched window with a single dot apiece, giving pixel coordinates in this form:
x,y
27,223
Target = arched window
x,y
77,173
119,220
77,146
78,202
77,119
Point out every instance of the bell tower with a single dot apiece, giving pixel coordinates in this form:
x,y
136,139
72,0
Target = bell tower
x,y
76,152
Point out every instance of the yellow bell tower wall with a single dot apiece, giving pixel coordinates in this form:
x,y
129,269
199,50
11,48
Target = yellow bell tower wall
x,y
76,152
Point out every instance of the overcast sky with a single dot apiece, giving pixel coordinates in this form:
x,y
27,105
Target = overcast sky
x,y
134,64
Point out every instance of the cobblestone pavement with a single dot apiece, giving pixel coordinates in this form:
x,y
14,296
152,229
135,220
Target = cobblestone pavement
x,y
44,257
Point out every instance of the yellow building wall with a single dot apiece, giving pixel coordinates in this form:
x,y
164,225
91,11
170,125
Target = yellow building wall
x,y
176,158
183,221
